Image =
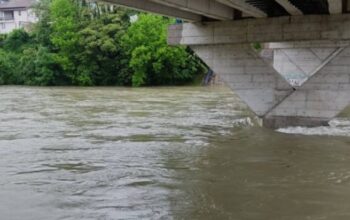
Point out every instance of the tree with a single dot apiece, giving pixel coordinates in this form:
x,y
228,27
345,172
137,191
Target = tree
x,y
42,29
64,37
9,74
101,56
39,67
16,40
78,42
154,62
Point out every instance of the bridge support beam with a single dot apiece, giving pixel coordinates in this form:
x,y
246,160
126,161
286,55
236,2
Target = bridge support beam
x,y
190,10
302,80
292,10
147,5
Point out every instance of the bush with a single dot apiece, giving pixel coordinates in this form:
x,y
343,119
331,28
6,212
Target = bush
x,y
16,40
154,62
9,69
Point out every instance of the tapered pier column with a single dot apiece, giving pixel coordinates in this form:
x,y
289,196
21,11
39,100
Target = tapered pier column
x,y
252,78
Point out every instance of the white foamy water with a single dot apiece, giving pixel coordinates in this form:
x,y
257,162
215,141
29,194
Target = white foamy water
x,y
337,127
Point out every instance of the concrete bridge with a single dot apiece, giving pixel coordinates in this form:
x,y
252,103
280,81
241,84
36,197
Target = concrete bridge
x,y
300,76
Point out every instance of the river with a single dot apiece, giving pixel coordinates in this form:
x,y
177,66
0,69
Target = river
x,y
163,153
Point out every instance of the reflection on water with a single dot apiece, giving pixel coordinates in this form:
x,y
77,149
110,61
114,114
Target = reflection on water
x,y
165,153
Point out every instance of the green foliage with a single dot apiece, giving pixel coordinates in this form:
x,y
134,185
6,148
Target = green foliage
x,y
76,42
39,67
101,55
2,39
42,29
8,68
63,16
16,40
257,46
152,60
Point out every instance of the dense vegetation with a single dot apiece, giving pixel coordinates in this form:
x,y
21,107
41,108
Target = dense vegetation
x,y
90,44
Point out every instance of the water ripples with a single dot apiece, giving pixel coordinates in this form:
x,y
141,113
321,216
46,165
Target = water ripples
x,y
162,153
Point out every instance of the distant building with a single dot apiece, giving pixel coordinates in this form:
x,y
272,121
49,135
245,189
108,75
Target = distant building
x,y
16,14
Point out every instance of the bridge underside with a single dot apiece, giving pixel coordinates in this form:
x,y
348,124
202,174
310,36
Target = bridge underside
x,y
301,76
225,10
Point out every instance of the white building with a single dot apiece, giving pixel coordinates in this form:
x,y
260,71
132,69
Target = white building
x,y
16,14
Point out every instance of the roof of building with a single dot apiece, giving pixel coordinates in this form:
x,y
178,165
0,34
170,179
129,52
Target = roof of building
x,y
8,4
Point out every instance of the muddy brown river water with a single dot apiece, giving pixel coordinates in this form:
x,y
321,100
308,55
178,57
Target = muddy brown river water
x,y
163,153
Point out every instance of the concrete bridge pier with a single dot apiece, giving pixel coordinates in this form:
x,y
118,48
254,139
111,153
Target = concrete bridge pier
x,y
291,86
251,77
302,81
